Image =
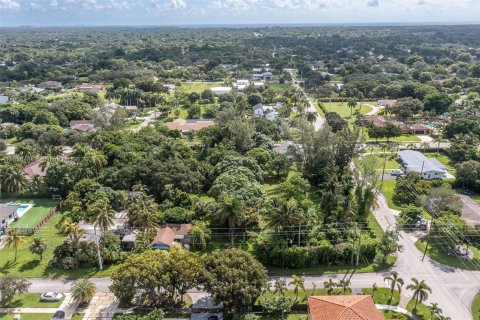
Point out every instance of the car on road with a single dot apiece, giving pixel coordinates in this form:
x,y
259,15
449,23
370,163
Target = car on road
x,y
51,296
59,314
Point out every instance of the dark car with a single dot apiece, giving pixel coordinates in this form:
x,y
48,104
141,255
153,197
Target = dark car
x,y
213,317
59,314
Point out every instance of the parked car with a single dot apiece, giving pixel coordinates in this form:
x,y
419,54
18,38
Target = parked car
x,y
397,172
213,317
51,296
59,314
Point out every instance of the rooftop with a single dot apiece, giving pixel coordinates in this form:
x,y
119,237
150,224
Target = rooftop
x,y
189,125
359,307
416,161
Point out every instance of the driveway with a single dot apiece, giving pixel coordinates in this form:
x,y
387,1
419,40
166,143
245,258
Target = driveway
x,y
202,300
470,210
374,110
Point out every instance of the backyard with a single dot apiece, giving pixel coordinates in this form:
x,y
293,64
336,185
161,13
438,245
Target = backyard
x,y
41,208
198,87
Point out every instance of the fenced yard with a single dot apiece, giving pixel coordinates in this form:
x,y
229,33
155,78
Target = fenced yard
x,y
41,209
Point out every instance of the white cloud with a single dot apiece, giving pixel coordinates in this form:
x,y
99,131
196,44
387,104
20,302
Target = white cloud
x,y
54,3
37,7
98,4
9,4
168,4
234,4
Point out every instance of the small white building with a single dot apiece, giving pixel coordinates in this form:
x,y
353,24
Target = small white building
x,y
267,111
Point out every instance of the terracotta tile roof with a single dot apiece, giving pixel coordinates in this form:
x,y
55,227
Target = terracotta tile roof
x,y
343,308
377,121
82,125
169,232
34,169
90,87
189,125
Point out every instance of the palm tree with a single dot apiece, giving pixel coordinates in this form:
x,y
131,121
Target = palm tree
x,y
395,281
298,283
411,146
280,286
420,291
438,140
14,180
374,289
83,290
72,229
231,209
26,152
345,285
95,160
38,246
281,213
15,239
36,184
200,235
104,218
425,145
435,310
330,286
352,103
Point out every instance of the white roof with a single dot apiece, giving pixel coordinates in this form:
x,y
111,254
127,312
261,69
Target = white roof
x,y
416,161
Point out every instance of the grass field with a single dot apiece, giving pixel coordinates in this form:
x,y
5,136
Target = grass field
x,y
388,190
476,307
443,159
382,296
392,162
27,316
343,110
32,300
436,253
279,86
40,209
28,264
198,87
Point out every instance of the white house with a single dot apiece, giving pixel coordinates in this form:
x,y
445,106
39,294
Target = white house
x,y
265,76
267,111
428,168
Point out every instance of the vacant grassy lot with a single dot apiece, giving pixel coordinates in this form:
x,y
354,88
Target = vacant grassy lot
x,y
27,316
32,300
388,190
436,253
28,264
343,110
40,209
391,163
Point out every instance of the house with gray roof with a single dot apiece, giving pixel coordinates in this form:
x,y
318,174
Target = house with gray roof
x,y
7,214
428,168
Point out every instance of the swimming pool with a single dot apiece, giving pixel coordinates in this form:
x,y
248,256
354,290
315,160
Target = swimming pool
x,y
22,208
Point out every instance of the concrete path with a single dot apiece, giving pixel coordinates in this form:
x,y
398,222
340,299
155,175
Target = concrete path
x,y
28,310
374,110
202,300
102,306
424,138
396,309
69,306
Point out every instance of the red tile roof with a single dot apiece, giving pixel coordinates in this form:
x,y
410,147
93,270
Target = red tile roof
x,y
167,233
343,308
34,169
189,125
82,125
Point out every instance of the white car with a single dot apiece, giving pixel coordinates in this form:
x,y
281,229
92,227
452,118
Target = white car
x,y
51,296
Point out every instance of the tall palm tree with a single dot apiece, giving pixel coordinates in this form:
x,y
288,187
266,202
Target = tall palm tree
x,y
438,140
15,239
345,285
420,291
14,179
351,103
95,160
395,282
36,184
103,218
435,310
374,289
83,290
298,283
72,229
26,152
231,209
330,286
200,235
38,246
425,145
281,213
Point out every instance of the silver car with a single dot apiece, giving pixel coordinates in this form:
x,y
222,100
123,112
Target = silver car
x,y
51,296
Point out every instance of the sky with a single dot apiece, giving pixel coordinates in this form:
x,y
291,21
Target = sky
x,y
193,12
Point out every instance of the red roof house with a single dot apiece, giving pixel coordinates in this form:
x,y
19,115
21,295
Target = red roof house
x,y
82,125
359,307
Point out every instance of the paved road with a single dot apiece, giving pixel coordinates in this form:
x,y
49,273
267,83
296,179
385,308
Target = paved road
x,y
374,110
319,122
146,120
470,210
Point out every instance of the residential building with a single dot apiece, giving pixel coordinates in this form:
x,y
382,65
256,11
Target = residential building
x,y
169,87
92,87
185,126
265,76
416,128
7,214
82,125
50,84
387,102
34,169
3,99
170,233
372,121
359,307
428,168
268,111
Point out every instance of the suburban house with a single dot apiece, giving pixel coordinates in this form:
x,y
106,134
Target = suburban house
x,y
92,87
4,99
241,84
414,161
49,84
416,128
264,76
169,87
372,121
82,125
168,234
7,213
267,111
359,307
34,169
384,103
221,90
185,126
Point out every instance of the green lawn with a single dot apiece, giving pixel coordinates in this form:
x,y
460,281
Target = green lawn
x,y
32,300
436,253
363,268
388,190
476,307
279,86
28,264
382,296
41,208
374,225
443,159
272,189
78,316
391,163
343,110
198,87
422,310
27,316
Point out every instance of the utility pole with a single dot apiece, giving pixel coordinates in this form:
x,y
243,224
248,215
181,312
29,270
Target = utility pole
x,y
97,245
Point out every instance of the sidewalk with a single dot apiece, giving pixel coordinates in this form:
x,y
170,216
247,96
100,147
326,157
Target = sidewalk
x,y
102,306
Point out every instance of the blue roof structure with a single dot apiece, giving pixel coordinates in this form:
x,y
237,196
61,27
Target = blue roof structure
x,y
416,161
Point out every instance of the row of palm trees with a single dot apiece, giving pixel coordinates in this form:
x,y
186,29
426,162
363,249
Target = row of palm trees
x,y
16,240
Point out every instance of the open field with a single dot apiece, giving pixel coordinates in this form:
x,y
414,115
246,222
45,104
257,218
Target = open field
x,y
40,209
197,86
343,110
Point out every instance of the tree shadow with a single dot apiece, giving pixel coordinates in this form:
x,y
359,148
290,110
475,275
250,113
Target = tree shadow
x,y
5,268
29,265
